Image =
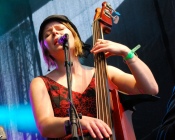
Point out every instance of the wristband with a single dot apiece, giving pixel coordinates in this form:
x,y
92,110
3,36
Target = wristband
x,y
131,54
67,127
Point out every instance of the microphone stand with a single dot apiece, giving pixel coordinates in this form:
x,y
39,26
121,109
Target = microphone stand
x,y
68,64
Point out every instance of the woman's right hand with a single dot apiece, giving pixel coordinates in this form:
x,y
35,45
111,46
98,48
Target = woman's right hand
x,y
96,127
110,48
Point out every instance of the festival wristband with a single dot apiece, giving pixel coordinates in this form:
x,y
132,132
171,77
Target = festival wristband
x,y
131,54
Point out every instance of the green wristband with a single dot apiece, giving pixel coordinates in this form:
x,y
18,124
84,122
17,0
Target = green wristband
x,y
131,54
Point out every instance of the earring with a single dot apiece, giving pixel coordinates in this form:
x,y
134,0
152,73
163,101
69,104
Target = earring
x,y
48,69
48,66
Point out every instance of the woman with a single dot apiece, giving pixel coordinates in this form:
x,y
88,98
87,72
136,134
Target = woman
x,y
49,93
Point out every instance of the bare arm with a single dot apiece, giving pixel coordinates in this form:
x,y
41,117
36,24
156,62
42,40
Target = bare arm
x,y
140,81
48,125
53,127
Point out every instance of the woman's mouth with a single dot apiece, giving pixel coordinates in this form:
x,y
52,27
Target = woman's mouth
x,y
56,41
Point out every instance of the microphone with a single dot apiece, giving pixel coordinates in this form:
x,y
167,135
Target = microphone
x,y
63,39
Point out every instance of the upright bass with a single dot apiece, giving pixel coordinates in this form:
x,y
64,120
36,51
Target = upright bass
x,y
109,107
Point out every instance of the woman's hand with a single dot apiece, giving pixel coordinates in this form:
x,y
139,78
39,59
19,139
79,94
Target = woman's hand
x,y
110,48
96,127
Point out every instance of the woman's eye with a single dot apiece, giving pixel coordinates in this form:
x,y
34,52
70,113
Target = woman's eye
x,y
46,35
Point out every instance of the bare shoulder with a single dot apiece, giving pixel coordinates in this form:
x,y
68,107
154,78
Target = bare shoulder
x,y
114,72
37,83
36,80
113,69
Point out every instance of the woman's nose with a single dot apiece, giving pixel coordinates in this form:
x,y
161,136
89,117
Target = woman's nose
x,y
54,31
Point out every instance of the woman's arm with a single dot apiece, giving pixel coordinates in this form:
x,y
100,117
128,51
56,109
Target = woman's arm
x,y
53,127
141,80
48,125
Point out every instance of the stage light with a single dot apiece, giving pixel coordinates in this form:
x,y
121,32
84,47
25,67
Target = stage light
x,y
21,116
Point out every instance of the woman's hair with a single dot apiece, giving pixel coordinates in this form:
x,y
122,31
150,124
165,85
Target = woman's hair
x,y
50,61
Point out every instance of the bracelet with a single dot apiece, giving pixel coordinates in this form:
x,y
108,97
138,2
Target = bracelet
x,y
131,54
67,127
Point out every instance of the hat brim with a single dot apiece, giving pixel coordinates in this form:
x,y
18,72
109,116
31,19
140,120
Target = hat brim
x,y
63,19
55,18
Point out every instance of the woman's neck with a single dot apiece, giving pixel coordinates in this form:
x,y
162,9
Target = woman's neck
x,y
76,66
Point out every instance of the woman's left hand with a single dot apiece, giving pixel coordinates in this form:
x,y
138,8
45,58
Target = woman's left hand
x,y
110,48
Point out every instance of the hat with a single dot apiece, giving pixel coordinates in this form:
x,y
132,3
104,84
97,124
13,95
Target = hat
x,y
63,19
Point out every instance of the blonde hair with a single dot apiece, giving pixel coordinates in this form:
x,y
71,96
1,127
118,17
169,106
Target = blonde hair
x,y
50,61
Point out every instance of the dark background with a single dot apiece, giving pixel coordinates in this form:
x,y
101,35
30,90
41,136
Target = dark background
x,y
150,23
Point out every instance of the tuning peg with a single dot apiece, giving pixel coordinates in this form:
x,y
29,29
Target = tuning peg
x,y
117,14
115,19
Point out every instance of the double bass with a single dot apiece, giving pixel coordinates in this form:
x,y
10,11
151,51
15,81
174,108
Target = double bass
x,y
109,107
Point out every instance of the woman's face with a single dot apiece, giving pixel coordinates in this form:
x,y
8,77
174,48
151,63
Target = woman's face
x,y
52,32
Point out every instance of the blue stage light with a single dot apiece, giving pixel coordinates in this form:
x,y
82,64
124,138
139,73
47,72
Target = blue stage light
x,y
21,116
